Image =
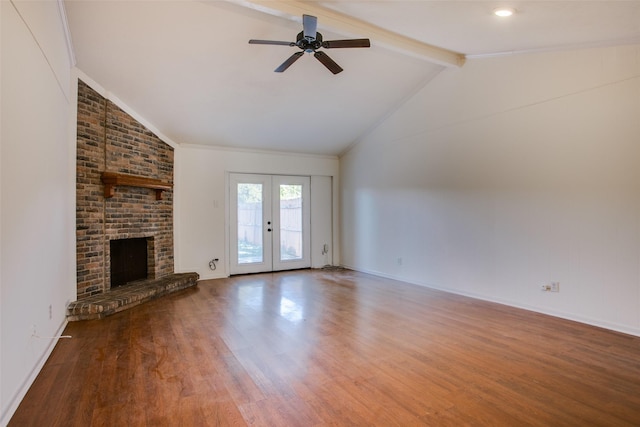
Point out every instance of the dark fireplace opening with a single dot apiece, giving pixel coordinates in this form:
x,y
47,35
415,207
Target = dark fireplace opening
x,y
128,260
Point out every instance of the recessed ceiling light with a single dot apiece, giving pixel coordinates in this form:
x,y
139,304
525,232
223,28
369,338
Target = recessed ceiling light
x,y
504,11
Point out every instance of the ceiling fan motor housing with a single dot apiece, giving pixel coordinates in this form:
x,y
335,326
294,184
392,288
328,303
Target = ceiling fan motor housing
x,y
308,45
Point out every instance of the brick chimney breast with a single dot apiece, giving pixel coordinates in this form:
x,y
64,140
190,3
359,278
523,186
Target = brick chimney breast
x,y
109,139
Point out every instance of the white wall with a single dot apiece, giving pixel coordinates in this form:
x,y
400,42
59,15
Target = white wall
x,y
506,174
37,196
201,193
322,220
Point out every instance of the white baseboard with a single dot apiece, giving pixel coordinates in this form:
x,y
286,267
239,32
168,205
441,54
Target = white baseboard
x,y
563,315
24,388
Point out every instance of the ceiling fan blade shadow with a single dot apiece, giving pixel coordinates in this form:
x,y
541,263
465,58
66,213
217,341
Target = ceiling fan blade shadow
x,y
328,62
286,64
335,44
280,43
310,26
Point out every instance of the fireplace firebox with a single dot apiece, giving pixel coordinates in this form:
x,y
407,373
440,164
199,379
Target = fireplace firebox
x,y
128,260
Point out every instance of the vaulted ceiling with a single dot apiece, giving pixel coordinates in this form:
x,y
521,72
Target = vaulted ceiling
x,y
187,68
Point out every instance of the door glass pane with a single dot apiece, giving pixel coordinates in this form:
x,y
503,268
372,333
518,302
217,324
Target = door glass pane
x,y
250,244
290,222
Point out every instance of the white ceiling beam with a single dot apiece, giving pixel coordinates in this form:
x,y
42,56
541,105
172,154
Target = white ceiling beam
x,y
336,21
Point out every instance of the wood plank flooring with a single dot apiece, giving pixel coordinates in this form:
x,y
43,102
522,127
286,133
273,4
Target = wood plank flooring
x,y
333,348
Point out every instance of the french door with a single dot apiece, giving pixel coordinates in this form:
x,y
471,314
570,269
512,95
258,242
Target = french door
x,y
270,223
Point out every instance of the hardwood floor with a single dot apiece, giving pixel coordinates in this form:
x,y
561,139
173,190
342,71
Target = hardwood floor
x,y
320,348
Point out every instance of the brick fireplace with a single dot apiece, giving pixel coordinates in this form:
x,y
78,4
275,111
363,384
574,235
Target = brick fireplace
x,y
111,141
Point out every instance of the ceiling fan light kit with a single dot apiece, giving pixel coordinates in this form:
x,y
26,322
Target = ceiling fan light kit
x,y
310,40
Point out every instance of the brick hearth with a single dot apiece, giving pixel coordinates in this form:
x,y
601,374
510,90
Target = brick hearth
x,y
128,296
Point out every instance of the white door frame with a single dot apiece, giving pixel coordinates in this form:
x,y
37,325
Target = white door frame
x,y
272,259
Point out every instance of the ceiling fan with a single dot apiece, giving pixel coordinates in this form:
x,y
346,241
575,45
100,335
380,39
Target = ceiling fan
x,y
309,40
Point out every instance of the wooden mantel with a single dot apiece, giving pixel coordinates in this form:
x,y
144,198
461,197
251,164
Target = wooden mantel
x,y
112,180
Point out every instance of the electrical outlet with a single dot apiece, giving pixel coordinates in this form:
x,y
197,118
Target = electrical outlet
x,y
553,287
50,312
399,261
33,330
